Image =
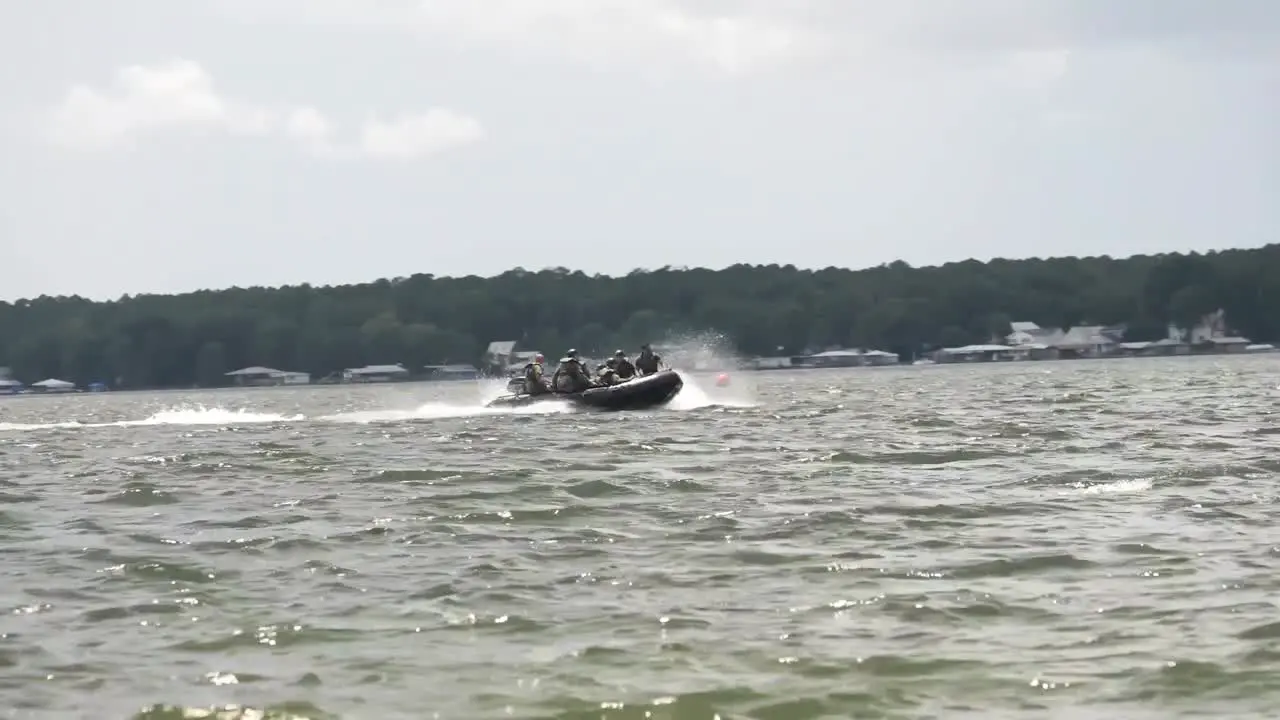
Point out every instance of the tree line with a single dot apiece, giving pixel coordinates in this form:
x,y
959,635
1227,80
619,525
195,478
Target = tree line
x,y
194,338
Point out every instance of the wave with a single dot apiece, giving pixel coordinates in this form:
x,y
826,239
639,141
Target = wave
x,y
441,411
200,415
183,415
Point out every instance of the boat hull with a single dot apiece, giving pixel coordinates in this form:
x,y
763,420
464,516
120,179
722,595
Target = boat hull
x,y
640,393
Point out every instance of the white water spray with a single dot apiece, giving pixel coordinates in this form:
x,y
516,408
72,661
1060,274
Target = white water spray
x,y
183,415
440,411
706,360
199,415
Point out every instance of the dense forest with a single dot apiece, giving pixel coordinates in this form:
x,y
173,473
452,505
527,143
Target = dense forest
x,y
193,339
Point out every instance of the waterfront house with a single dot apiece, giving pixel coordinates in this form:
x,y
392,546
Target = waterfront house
x,y
255,375
1210,335
880,358
259,376
53,385
845,358
766,363
975,353
1027,334
1225,344
1174,343
1165,347
499,354
829,359
451,372
375,374
1088,341
1135,349
1034,351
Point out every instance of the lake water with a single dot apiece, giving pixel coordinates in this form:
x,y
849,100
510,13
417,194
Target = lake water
x,y
1092,539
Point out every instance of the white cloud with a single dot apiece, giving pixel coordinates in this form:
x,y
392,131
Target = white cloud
x,y
1036,69
180,95
603,30
307,125
410,136
643,33
737,36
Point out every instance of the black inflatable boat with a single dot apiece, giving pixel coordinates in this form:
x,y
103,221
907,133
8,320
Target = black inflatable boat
x,y
636,394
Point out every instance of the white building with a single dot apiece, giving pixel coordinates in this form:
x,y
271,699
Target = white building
x,y
1029,333
265,376
375,373
54,385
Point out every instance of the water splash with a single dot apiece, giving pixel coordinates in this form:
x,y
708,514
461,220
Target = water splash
x,y
702,392
1131,485
182,415
693,355
698,352
201,415
439,411
19,427
486,391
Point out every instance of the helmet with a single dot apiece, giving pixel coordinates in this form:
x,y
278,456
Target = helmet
x,y
619,353
572,353
538,358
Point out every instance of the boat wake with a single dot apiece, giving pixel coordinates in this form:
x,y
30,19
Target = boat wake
x,y
216,416
192,415
441,411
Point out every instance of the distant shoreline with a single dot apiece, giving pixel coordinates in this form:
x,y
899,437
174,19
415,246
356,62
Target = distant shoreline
x,y
712,371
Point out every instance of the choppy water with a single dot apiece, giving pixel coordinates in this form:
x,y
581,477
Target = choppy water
x,y
1068,540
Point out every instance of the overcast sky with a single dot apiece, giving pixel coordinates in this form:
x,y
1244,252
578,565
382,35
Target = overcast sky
x,y
164,145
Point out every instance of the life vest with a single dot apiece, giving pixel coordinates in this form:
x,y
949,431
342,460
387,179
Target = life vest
x,y
567,375
624,368
533,378
647,362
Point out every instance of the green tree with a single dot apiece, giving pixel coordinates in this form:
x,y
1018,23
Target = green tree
x,y
180,340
